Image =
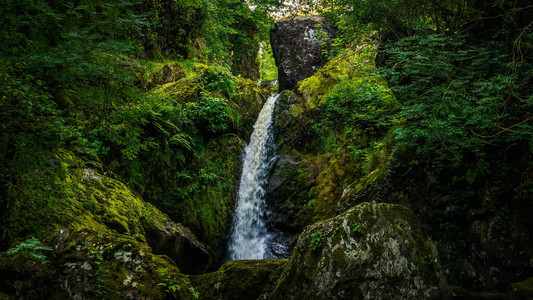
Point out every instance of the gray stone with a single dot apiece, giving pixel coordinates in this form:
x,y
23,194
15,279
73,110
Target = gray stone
x,y
373,251
297,46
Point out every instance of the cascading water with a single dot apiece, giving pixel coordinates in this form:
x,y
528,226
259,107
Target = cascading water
x,y
250,235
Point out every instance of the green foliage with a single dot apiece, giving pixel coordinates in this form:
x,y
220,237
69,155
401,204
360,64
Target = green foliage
x,y
356,104
357,229
212,114
454,98
31,248
171,285
269,70
317,240
357,111
218,80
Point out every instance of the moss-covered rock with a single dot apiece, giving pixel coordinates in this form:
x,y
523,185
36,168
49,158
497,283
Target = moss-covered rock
x,y
291,191
290,121
239,279
170,73
373,251
208,208
101,244
86,264
245,96
522,290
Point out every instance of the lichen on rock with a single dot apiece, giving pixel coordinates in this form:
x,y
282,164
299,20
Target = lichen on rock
x,y
373,251
105,244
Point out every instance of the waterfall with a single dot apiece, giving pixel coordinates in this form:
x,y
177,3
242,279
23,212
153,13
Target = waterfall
x,y
249,235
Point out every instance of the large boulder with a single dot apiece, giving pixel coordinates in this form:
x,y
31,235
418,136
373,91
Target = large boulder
x,y
297,46
373,251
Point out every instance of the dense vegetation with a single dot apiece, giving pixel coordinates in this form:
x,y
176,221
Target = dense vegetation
x,y
74,76
423,103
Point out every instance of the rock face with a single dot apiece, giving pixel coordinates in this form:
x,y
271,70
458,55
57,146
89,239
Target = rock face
x,y
373,251
297,47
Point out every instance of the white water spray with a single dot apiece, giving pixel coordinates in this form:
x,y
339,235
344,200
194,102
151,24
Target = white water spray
x,y
249,234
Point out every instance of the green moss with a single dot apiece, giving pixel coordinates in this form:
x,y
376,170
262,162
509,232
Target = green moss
x,y
103,249
522,290
208,208
246,279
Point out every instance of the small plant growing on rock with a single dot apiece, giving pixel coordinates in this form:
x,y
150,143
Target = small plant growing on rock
x,y
168,284
337,229
31,248
195,294
357,229
429,259
316,240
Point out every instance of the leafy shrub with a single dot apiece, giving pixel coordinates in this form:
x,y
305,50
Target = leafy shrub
x,y
212,114
455,97
218,80
361,104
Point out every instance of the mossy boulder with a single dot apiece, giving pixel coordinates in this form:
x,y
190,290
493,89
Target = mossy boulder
x,y
170,73
101,243
178,243
86,264
373,251
239,279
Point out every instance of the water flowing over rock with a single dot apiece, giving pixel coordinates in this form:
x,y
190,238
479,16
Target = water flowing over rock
x,y
250,236
297,46
373,251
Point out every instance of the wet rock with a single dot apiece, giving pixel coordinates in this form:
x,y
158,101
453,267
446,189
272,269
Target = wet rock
x,y
290,121
373,251
297,46
288,192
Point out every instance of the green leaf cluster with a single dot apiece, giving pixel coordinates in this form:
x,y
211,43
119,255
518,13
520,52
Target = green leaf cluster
x,y
31,248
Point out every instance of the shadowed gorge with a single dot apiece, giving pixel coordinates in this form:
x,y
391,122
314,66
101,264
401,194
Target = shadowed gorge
x,y
224,149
